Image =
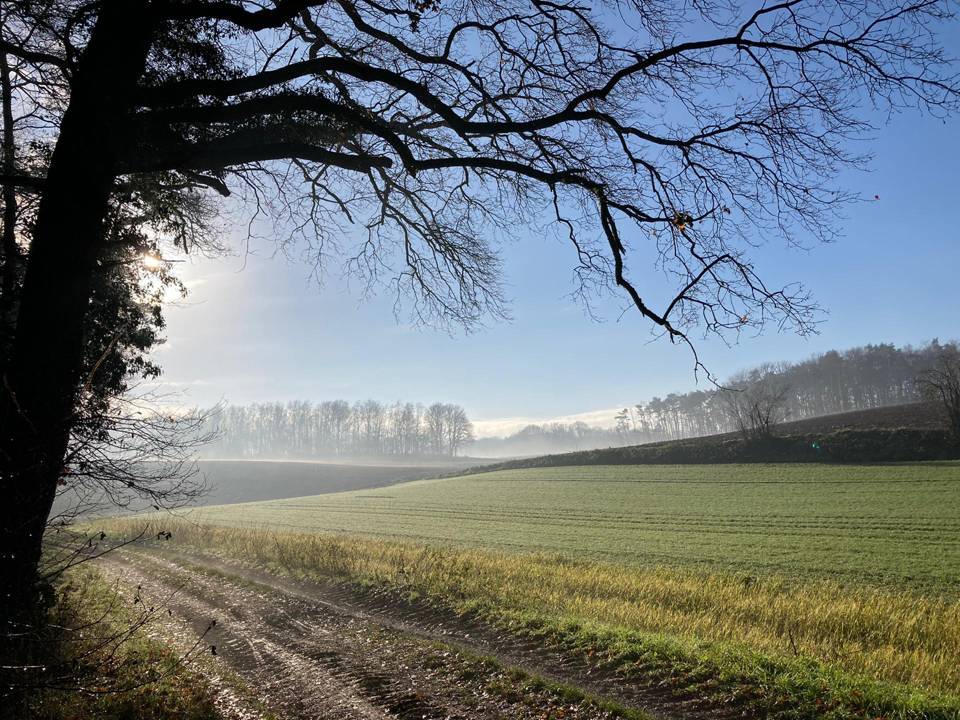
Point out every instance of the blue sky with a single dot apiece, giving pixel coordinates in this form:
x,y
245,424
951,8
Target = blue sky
x,y
260,329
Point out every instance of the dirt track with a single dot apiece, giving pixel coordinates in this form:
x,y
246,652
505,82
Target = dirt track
x,y
315,651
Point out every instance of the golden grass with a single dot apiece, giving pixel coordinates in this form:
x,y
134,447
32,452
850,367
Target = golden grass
x,y
896,636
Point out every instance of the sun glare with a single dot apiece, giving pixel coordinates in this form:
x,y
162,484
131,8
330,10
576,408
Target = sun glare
x,y
152,262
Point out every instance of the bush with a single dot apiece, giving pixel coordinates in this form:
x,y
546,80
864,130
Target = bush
x,y
101,664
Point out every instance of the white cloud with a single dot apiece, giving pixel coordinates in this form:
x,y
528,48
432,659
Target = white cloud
x,y
499,427
174,384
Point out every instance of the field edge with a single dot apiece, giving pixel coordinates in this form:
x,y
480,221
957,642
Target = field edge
x,y
773,685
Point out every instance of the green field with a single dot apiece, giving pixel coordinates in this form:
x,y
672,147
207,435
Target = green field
x,y
828,591
893,525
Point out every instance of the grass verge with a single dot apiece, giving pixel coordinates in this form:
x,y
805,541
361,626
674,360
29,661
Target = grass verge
x,y
104,664
812,648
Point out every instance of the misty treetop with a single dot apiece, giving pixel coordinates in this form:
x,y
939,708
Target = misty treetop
x,y
860,378
335,428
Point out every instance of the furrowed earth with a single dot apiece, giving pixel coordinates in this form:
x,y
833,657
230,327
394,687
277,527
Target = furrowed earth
x,y
891,525
677,591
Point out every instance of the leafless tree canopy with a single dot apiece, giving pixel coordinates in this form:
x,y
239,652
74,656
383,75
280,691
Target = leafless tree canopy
x,y
942,384
756,400
655,134
678,134
334,428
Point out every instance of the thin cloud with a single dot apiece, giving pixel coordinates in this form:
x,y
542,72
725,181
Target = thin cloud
x,y
500,427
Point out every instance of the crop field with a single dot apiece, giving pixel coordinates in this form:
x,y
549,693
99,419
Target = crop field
x,y
896,525
813,590
231,481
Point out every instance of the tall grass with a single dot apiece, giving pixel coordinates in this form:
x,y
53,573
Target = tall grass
x,y
93,675
879,525
813,631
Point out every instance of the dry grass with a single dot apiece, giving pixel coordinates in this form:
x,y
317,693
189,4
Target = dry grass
x,y
895,636
892,525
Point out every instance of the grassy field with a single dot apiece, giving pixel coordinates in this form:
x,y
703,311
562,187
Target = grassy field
x,y
812,591
887,525
232,481
112,665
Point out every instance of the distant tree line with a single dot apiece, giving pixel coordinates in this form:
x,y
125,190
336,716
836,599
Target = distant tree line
x,y
544,438
337,428
861,378
753,401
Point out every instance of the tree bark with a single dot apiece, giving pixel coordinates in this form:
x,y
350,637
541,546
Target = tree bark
x,y
9,250
43,372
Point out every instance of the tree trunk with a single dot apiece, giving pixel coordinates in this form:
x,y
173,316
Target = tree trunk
x,y
44,366
9,250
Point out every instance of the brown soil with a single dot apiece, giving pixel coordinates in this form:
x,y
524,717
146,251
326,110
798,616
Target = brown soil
x,y
312,650
921,416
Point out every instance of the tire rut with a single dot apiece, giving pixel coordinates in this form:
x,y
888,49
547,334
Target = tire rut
x,y
315,648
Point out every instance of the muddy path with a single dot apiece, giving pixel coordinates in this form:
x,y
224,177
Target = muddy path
x,y
313,650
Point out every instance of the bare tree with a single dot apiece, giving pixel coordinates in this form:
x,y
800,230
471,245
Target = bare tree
x,y
675,133
941,383
370,418
407,422
458,430
434,427
756,400
141,456
135,454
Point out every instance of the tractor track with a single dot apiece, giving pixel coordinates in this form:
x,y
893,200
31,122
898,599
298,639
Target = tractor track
x,y
315,650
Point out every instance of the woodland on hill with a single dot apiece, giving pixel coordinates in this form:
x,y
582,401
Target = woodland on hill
x,y
336,428
860,378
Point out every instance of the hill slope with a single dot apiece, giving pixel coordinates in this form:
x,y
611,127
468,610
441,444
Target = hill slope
x,y
890,434
233,481
881,523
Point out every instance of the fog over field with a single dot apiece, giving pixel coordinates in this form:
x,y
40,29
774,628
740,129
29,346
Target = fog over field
x,y
403,433
232,481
